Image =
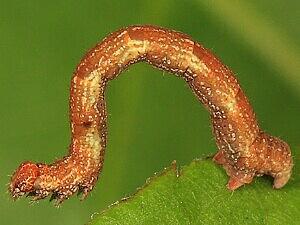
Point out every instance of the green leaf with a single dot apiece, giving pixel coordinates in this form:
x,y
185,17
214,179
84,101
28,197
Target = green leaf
x,y
197,195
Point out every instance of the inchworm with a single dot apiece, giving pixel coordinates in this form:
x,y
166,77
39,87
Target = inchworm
x,y
244,150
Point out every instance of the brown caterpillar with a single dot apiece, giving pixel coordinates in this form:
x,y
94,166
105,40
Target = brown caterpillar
x,y
244,150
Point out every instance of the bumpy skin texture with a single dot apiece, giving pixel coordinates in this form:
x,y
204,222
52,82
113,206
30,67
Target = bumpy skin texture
x,y
244,150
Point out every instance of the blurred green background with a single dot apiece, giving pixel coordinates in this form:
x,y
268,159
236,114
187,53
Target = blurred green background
x,y
153,116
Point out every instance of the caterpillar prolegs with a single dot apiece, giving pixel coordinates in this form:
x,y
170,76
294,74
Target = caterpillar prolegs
x,y
244,150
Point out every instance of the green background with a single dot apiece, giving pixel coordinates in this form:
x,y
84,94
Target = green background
x,y
153,117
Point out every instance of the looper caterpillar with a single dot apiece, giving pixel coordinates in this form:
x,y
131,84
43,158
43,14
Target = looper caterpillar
x,y
245,151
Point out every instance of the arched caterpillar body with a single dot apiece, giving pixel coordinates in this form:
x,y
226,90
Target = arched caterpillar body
x,y
245,151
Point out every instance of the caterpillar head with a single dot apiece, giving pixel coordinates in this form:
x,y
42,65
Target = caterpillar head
x,y
23,179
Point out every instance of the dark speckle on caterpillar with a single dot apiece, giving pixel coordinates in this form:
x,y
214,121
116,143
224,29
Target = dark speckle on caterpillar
x,y
244,150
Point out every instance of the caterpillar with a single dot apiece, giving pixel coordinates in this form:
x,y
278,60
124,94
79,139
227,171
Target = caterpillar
x,y
244,150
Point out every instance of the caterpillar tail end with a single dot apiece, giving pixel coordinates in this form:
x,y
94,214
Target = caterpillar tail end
x,y
276,162
282,178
